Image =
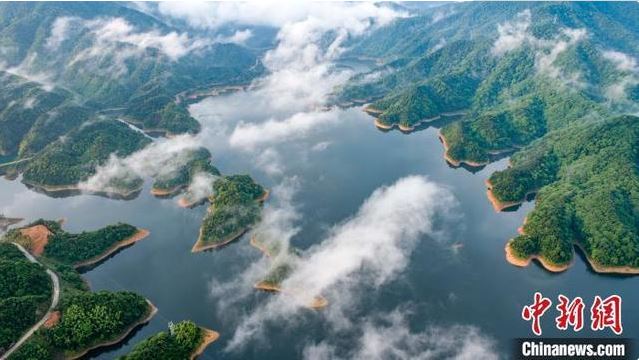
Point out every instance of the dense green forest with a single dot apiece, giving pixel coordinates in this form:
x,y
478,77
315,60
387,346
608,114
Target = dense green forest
x,y
141,82
589,194
74,248
545,81
177,343
91,318
68,248
32,117
25,292
234,208
75,158
60,97
198,161
87,319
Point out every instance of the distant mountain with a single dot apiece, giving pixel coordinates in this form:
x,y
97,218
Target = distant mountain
x,y
526,76
112,56
67,70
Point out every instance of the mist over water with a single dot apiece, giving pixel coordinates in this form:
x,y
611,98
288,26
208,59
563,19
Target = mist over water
x,y
453,284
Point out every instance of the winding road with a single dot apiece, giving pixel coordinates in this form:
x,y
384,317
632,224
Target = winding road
x,y
54,303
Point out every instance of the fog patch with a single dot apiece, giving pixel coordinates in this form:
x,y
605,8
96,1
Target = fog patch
x,y
389,336
161,158
369,249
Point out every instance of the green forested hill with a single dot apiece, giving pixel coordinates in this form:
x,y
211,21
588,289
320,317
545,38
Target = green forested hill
x,y
31,117
67,69
25,291
589,195
75,158
547,81
96,51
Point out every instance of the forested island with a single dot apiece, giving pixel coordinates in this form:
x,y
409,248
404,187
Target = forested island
x,y
184,340
235,206
80,320
555,99
283,261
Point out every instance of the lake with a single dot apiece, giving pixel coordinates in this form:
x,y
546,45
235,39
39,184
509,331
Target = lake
x,y
463,279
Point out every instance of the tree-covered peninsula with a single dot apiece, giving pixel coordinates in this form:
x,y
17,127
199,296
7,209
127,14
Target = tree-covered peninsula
x,y
47,239
73,159
42,289
588,192
549,82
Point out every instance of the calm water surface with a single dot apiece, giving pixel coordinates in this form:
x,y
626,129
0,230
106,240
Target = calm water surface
x,y
470,283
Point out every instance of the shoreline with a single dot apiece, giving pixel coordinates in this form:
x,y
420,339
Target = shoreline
x,y
265,195
407,129
201,246
318,303
167,192
152,312
596,267
519,262
603,269
184,203
62,188
208,337
258,245
457,163
499,205
139,235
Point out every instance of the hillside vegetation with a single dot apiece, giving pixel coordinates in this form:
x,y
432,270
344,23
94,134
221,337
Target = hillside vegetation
x,y
547,81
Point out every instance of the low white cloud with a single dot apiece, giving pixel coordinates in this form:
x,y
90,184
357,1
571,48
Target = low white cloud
x,y
390,337
369,249
301,71
201,187
440,44
622,61
248,136
512,34
627,65
238,37
59,31
216,14
516,33
24,70
270,161
545,60
111,31
159,158
321,146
